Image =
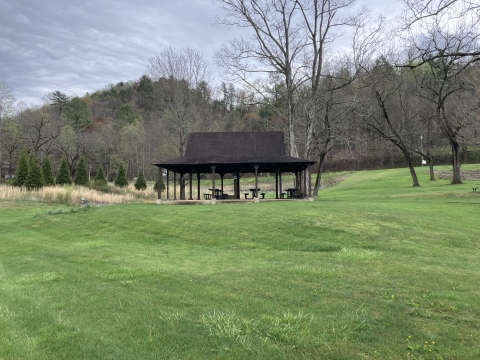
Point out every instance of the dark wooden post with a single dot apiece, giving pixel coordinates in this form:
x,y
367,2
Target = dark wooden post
x,y
198,185
237,174
276,184
280,182
168,185
174,185
191,178
181,183
181,189
159,187
221,182
256,180
310,181
213,181
305,182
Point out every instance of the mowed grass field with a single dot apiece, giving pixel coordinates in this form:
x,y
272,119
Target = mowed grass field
x,y
372,269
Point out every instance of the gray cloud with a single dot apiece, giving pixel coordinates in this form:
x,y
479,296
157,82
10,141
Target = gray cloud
x,y
82,46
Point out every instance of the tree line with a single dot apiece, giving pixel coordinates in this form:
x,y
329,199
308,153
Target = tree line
x,y
410,86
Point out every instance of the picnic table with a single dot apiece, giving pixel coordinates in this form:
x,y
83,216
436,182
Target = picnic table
x,y
253,192
291,192
218,193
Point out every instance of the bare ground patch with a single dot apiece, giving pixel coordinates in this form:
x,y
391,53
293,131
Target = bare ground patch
x,y
465,174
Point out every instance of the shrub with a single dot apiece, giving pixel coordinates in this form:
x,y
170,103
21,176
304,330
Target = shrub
x,y
22,170
35,178
121,180
47,172
155,186
140,184
81,177
100,178
100,182
63,177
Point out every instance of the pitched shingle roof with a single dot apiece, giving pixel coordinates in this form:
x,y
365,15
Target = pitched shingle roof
x,y
236,151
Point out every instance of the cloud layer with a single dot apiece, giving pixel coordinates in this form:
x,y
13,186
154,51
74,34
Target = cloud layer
x,y
82,46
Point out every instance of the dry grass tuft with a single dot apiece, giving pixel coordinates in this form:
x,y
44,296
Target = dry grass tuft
x,y
71,195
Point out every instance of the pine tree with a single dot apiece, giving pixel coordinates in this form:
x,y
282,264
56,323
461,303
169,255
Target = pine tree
x,y
47,172
140,184
63,177
22,170
101,183
81,177
100,178
162,186
121,180
35,178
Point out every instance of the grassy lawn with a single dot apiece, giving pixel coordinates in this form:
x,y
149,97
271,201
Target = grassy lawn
x,y
373,268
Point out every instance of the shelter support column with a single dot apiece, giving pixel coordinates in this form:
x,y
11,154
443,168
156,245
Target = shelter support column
x,y
181,183
221,182
276,184
159,185
256,181
280,182
213,181
191,178
198,185
174,185
168,185
310,183
305,182
237,175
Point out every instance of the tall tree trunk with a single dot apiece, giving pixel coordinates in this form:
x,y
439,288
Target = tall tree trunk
x,y
323,155
456,162
291,128
432,172
412,171
429,150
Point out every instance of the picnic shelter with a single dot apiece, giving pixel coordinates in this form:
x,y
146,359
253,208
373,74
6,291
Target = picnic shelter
x,y
236,153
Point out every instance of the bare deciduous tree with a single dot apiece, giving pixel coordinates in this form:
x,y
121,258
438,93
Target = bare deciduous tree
x,y
179,75
7,100
445,38
294,39
388,108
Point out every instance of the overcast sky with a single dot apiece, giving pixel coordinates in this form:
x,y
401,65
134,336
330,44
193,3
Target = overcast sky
x,y
81,46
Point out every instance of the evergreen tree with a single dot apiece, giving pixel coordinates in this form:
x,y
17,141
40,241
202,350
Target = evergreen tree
x,y
63,177
81,177
140,184
47,172
121,180
100,178
22,170
35,178
162,186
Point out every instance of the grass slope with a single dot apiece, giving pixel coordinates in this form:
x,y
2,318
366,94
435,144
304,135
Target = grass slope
x,y
373,268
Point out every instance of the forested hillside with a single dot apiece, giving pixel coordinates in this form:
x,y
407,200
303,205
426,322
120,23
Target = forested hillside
x,y
397,97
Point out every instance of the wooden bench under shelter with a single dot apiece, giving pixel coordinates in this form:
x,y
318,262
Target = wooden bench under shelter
x,y
232,154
